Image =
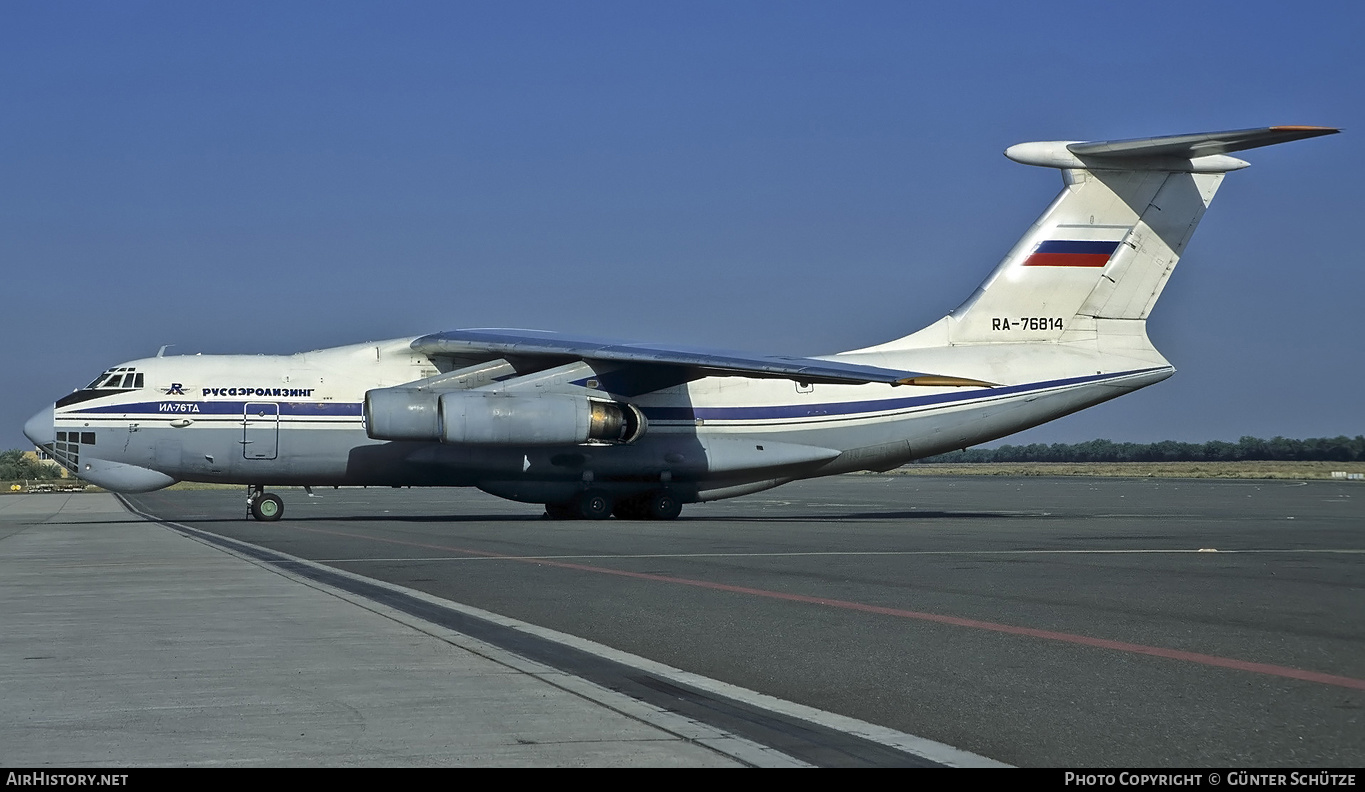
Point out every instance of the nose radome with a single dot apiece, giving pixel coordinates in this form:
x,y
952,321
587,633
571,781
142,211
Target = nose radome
x,y
40,429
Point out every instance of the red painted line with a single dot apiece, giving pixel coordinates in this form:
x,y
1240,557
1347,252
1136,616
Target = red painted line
x,y
956,621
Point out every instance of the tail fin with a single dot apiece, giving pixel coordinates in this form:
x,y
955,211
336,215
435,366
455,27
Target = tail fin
x,y
1106,246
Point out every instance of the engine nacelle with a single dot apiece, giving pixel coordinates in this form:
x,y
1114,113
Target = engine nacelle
x,y
402,414
483,418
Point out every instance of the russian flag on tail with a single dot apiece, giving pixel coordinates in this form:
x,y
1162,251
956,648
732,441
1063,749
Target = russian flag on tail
x,y
1070,253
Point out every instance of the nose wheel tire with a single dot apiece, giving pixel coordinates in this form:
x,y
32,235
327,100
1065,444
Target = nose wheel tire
x,y
268,507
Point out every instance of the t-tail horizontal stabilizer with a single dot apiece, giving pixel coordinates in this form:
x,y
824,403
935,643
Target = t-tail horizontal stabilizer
x,y
1205,152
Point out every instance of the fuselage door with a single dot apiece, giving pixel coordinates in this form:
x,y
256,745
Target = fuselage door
x,y
261,430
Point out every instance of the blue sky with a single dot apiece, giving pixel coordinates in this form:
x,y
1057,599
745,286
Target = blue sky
x,y
780,177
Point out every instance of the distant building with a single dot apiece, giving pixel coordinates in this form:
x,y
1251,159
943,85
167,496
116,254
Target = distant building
x,y
41,457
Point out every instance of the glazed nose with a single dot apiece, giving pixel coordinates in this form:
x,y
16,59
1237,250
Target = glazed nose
x,y
41,429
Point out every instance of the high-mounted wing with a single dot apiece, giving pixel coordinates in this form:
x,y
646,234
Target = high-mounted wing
x,y
698,363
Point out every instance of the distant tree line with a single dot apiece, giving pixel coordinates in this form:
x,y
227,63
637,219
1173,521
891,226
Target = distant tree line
x,y
14,466
1313,449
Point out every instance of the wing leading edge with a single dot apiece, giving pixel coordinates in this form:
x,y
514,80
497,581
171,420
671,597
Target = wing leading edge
x,y
700,363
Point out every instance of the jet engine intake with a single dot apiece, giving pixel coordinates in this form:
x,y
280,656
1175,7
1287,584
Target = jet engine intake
x,y
402,414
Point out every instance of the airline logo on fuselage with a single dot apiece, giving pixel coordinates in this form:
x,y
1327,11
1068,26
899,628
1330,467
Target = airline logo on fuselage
x,y
296,392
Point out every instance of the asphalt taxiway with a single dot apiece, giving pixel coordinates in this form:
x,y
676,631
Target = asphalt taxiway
x,y
852,620
130,642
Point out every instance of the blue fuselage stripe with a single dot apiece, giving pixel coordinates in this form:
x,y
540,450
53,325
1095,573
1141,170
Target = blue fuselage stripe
x,y
340,409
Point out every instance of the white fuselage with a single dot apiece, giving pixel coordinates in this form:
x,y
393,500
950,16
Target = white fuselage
x,y
298,419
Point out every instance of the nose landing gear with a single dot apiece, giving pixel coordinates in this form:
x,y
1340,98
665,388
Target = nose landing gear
x,y
264,506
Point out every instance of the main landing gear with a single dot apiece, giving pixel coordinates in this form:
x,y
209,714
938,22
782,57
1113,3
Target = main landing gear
x,y
598,505
264,506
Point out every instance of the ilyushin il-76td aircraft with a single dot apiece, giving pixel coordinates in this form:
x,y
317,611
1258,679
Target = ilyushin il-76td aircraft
x,y
592,428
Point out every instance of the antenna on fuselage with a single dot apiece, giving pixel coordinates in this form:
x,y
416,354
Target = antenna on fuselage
x,y
162,351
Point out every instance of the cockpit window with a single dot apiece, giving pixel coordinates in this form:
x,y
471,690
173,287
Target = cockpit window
x,y
119,378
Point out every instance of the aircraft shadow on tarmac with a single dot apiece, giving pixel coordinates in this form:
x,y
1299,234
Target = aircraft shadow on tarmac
x,y
893,515
400,518
95,522
505,518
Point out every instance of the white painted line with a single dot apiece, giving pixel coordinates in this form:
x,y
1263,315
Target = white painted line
x,y
723,742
